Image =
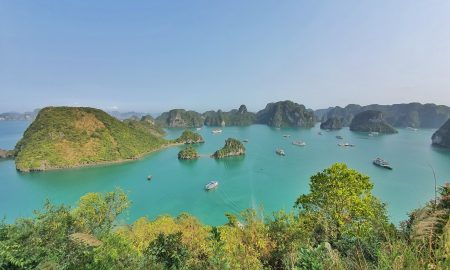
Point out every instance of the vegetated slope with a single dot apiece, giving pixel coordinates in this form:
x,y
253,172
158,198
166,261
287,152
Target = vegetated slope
x,y
64,137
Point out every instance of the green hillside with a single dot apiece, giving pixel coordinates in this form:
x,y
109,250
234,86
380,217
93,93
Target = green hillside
x,y
65,137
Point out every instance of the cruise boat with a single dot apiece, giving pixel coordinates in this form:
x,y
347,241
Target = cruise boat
x,y
280,152
373,133
217,131
211,185
299,143
382,163
199,128
339,137
286,135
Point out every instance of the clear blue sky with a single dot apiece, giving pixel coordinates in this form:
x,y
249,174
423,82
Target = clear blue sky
x,y
155,55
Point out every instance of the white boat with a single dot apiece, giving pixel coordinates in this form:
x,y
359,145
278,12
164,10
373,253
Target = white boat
x,y
346,144
411,128
211,185
217,131
280,152
373,133
299,143
199,128
149,177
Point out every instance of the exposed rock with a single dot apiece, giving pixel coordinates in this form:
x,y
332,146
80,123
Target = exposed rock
x,y
371,121
442,136
179,118
332,123
6,154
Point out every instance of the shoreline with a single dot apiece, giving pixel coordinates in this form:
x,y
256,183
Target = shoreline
x,y
105,163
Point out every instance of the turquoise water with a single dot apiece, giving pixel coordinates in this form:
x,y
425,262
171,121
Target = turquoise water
x,y
260,179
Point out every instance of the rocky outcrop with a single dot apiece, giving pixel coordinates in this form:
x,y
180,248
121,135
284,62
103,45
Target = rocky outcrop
x,y
371,121
188,153
6,154
231,148
189,137
239,117
179,118
442,136
286,114
332,124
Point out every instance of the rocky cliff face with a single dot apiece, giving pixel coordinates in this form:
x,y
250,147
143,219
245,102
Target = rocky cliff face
x,y
442,136
371,121
239,117
332,123
286,114
179,118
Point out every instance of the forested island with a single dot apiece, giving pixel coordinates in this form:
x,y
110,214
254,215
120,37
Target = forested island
x,y
371,121
67,137
188,153
231,148
339,224
189,137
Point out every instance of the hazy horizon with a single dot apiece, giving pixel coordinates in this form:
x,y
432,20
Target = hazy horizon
x,y
159,55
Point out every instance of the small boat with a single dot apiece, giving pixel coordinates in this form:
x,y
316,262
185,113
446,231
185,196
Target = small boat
x,y
211,185
382,163
339,137
412,129
320,133
280,152
346,144
199,128
216,131
286,135
299,143
245,140
373,133
149,177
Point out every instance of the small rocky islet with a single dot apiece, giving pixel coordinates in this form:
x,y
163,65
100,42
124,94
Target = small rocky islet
x,y
188,153
231,148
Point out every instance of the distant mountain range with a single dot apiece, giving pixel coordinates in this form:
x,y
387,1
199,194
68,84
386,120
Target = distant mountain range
x,y
287,114
414,115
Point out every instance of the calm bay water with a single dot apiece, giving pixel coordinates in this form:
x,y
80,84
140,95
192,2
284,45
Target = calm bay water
x,y
260,179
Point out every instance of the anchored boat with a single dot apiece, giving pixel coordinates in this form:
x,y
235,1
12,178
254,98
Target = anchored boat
x,y
382,163
211,185
280,152
217,131
299,143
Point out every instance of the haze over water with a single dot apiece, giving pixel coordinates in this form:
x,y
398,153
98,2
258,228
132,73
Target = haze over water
x,y
261,179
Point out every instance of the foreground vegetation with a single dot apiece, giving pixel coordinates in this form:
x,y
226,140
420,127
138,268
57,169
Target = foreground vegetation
x,y
338,225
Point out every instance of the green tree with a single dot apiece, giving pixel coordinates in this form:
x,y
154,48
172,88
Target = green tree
x,y
169,250
341,198
96,212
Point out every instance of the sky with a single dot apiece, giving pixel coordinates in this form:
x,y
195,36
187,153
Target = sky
x,y
152,56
